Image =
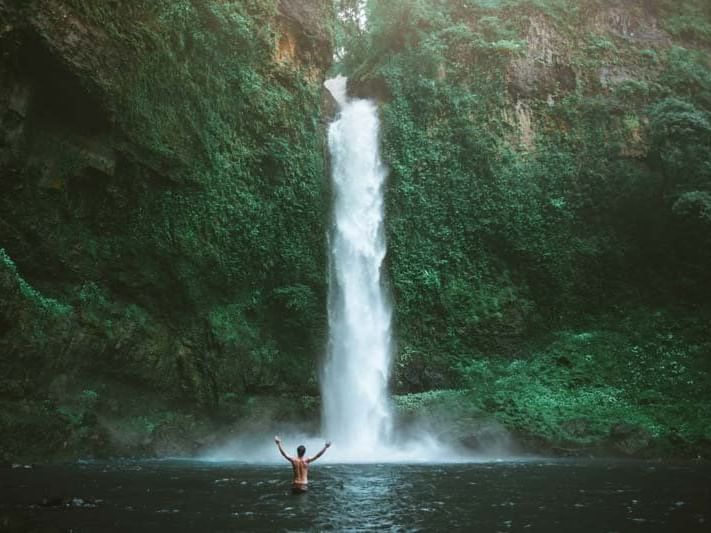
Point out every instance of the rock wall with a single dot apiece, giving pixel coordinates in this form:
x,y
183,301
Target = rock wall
x,y
161,206
541,155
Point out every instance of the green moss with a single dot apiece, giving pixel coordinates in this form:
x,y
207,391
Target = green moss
x,y
199,191
497,226
30,294
574,391
690,20
417,402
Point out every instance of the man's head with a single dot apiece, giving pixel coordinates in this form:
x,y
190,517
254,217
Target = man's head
x,y
301,450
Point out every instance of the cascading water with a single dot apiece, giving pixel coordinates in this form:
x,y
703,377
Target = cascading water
x,y
357,412
354,385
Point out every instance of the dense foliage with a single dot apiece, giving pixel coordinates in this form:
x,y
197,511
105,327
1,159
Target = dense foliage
x,y
549,169
496,225
164,202
164,205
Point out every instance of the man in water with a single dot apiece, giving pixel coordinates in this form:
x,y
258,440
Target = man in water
x,y
300,465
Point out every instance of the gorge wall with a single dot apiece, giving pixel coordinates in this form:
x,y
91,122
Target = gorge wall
x,y
548,214
163,206
164,203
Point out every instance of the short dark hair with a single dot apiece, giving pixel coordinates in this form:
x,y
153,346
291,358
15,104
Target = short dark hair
x,y
301,450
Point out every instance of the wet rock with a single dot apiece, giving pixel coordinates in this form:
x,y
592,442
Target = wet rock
x,y
83,503
19,99
487,437
70,501
371,88
629,439
544,69
85,48
632,23
329,107
303,36
416,375
578,427
524,120
610,76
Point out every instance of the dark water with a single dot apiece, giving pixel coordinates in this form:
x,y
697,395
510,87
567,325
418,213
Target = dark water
x,y
516,496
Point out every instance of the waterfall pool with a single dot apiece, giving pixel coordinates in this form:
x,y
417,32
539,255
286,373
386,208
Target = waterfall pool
x,y
540,496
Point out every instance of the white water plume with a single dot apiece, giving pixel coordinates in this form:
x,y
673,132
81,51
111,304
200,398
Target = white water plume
x,y
357,413
356,405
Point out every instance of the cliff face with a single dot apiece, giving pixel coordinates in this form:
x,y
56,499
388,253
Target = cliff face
x,y
162,204
548,202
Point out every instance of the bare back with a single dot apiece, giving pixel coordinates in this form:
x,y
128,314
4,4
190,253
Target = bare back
x,y
301,470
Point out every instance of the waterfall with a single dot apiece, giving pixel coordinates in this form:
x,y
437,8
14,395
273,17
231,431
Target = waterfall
x,y
357,412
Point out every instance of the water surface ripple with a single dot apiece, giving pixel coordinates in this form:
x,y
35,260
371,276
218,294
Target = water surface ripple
x,y
519,496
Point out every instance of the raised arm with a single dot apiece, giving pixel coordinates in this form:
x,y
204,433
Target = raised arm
x,y
319,454
281,450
